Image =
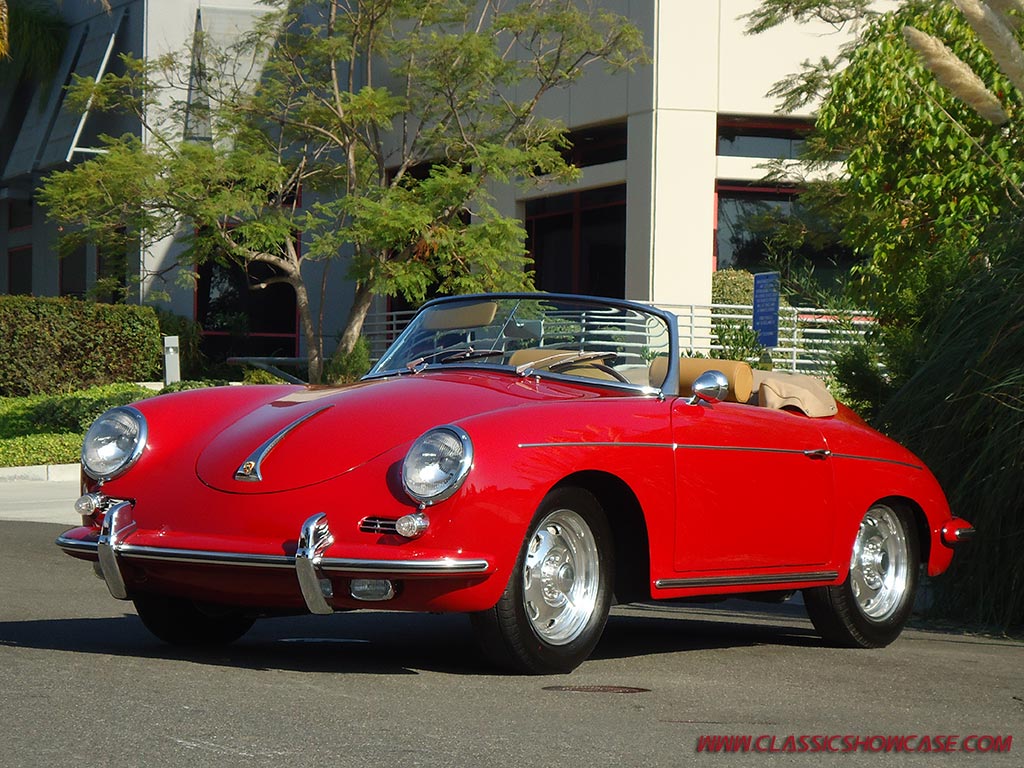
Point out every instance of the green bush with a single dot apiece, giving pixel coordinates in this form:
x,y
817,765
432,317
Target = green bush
x,y
48,429
71,413
186,384
345,369
30,450
962,412
50,345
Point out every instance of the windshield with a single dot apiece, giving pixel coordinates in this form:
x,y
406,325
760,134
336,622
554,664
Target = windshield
x,y
608,341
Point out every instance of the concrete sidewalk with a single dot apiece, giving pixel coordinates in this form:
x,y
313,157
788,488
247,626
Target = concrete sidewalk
x,y
40,494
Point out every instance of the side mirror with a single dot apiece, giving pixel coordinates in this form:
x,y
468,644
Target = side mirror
x,y
711,387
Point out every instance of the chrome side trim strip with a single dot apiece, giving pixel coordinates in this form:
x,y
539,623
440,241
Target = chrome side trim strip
x,y
743,448
738,581
249,470
117,524
812,453
597,444
314,538
876,459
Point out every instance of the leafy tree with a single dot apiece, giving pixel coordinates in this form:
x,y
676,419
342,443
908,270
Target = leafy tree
x,y
32,37
922,175
399,113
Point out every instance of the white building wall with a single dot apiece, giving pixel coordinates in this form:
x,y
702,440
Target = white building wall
x,y
703,66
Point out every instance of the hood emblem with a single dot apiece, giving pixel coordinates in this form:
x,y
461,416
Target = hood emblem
x,y
250,469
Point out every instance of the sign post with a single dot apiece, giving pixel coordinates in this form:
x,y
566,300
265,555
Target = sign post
x,y
766,308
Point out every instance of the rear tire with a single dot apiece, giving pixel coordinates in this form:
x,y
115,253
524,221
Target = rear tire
x,y
870,608
183,622
556,602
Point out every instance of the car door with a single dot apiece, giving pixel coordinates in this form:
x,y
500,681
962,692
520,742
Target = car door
x,y
753,489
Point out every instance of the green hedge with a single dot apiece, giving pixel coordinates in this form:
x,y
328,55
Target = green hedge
x,y
48,429
30,450
71,413
52,345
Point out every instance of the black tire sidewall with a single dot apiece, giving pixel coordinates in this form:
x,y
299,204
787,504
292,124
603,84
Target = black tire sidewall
x,y
883,631
526,650
836,613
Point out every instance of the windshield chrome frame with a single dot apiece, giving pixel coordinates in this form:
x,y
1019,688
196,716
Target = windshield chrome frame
x,y
671,386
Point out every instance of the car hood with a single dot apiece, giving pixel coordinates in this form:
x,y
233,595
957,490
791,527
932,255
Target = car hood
x,y
312,435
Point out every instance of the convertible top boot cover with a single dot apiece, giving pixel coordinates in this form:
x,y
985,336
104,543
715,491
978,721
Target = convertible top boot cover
x,y
778,389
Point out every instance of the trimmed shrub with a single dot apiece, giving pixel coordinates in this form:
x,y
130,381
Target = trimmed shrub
x,y
30,450
73,412
187,384
735,286
50,345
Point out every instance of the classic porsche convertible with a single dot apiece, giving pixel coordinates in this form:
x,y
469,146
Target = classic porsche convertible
x,y
525,458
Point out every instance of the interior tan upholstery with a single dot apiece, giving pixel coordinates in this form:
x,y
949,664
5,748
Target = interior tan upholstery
x,y
463,316
549,357
535,354
779,389
737,373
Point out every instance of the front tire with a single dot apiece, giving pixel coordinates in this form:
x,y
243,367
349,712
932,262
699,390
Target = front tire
x,y
870,608
556,603
183,622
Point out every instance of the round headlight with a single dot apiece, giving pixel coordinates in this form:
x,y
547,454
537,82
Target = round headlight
x,y
437,464
113,443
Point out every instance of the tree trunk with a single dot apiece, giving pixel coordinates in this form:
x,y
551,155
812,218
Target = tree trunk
x,y
313,343
357,315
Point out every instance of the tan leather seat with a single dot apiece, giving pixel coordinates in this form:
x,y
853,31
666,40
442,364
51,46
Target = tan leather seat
x,y
547,357
736,372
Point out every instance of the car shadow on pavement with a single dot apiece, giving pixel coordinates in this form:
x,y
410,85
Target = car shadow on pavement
x,y
391,643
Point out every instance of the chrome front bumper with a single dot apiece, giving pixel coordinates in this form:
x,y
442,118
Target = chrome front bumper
x,y
311,567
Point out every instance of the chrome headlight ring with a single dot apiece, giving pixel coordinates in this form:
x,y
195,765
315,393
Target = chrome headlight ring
x,y
437,464
114,443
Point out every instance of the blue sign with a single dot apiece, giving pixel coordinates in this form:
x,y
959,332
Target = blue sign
x,y
766,308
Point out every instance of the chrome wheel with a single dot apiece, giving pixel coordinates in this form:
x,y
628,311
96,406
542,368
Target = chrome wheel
x,y
869,609
879,565
555,604
561,576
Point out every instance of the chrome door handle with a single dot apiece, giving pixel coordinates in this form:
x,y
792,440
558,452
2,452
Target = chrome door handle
x,y
818,453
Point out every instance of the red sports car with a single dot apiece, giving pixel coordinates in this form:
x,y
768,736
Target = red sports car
x,y
525,458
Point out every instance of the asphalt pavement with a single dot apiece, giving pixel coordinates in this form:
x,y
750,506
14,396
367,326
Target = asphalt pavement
x,y
84,684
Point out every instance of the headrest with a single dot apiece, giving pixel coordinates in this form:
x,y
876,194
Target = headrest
x,y
461,316
737,373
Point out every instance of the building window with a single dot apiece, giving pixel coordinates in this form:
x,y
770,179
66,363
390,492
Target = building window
x,y
19,270
578,241
73,273
111,274
772,139
239,320
19,214
766,228
597,145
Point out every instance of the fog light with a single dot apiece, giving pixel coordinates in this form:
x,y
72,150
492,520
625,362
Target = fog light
x,y
411,526
371,589
88,503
